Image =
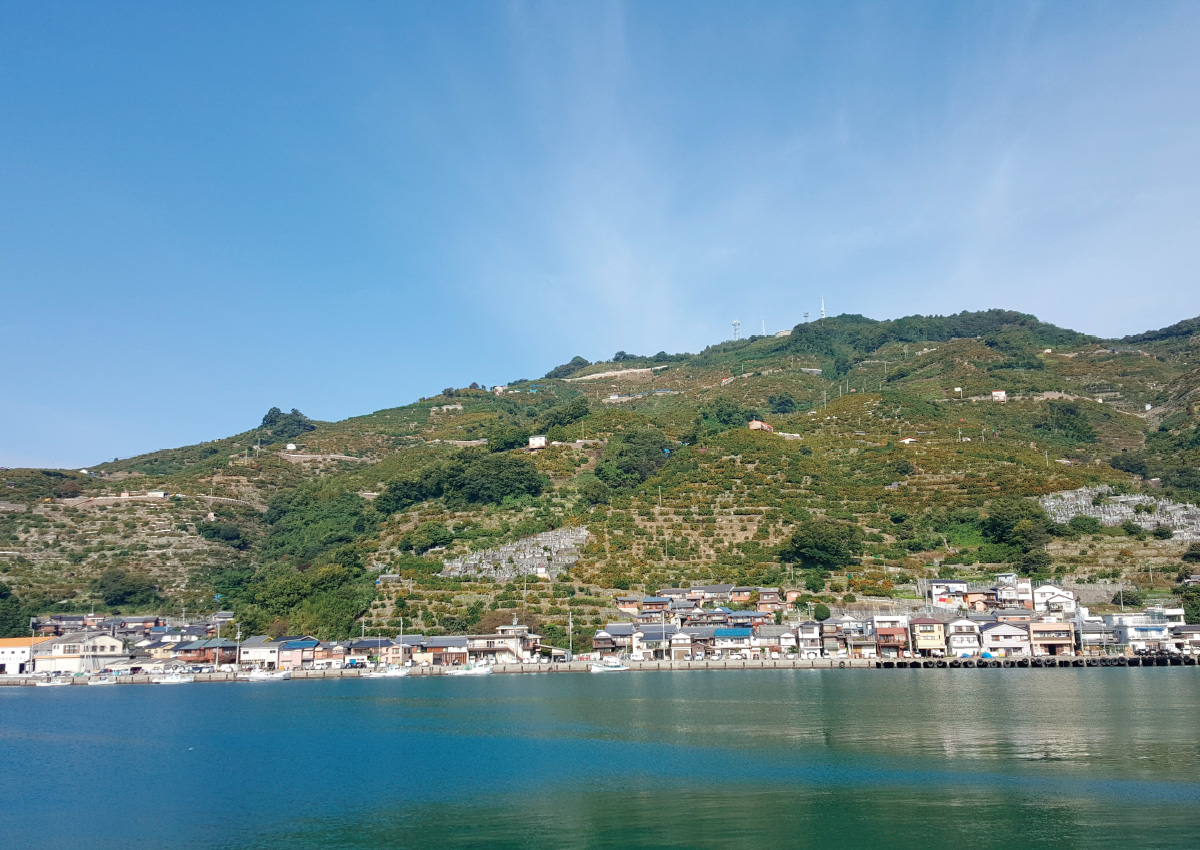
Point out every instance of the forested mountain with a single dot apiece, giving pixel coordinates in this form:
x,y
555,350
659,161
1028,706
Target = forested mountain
x,y
654,457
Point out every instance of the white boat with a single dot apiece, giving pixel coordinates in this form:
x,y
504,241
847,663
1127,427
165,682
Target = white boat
x,y
174,679
389,673
470,670
266,675
52,683
609,665
103,680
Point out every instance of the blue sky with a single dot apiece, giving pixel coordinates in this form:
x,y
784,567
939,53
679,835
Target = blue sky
x,y
210,209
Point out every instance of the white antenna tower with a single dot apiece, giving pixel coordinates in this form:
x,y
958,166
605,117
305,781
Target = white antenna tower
x,y
764,327
822,308
806,318
737,328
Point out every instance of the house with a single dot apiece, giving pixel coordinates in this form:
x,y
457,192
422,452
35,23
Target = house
x,y
507,645
1186,639
1096,637
742,595
1051,638
209,651
732,641
889,621
810,639
259,651
298,653
891,641
748,619
1005,640
1051,597
628,604
772,638
16,654
769,601
1013,591
999,395
1191,581
714,592
1138,632
1013,615
652,642
613,639
757,425
77,652
537,441
946,591
446,651
928,636
962,637
655,603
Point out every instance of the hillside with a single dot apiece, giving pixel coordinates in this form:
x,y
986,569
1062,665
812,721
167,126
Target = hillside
x,y
293,522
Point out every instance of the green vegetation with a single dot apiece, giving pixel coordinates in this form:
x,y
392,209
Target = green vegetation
x,y
675,489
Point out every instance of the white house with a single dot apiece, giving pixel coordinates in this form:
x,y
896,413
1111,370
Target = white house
x,y
889,621
537,441
999,395
1006,640
260,651
78,652
962,637
1050,597
946,591
1012,591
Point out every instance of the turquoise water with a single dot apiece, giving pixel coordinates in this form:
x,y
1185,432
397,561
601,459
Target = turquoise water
x,y
723,759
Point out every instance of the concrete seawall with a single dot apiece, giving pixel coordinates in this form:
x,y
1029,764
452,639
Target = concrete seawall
x,y
672,666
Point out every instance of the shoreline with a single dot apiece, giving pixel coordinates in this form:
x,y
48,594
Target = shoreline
x,y
1051,662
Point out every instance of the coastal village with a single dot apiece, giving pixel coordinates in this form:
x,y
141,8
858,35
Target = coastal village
x,y
1014,622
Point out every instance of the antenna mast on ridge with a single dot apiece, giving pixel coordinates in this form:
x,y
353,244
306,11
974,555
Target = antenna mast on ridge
x,y
822,308
737,328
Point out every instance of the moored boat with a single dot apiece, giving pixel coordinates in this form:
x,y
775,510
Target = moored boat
x,y
609,665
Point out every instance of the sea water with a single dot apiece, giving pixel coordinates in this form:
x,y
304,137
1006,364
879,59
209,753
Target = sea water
x,y
1062,758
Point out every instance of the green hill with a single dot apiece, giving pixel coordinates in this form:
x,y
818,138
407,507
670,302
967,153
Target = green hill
x,y
653,455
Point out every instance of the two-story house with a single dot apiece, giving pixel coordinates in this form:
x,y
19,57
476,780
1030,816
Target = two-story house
x,y
928,636
1005,640
962,637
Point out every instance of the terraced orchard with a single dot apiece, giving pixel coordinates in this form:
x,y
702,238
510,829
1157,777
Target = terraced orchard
x,y
882,452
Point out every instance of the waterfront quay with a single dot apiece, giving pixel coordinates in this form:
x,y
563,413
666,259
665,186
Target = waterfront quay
x,y
1078,662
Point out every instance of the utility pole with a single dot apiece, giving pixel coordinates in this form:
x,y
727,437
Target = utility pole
x,y
570,635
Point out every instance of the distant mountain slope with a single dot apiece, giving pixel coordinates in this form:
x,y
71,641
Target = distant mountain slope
x,y
657,460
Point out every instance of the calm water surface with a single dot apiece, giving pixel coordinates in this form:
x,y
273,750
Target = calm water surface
x,y
896,759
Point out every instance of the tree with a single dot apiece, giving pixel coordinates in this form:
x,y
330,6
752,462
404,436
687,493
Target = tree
x,y
118,587
631,457
569,368
14,618
1086,524
1004,516
821,612
1192,555
782,404
1190,597
814,581
823,544
1161,532
505,436
282,426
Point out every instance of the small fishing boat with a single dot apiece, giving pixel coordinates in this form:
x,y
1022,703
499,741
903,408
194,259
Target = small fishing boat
x,y
470,670
175,678
103,680
49,683
610,665
266,675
